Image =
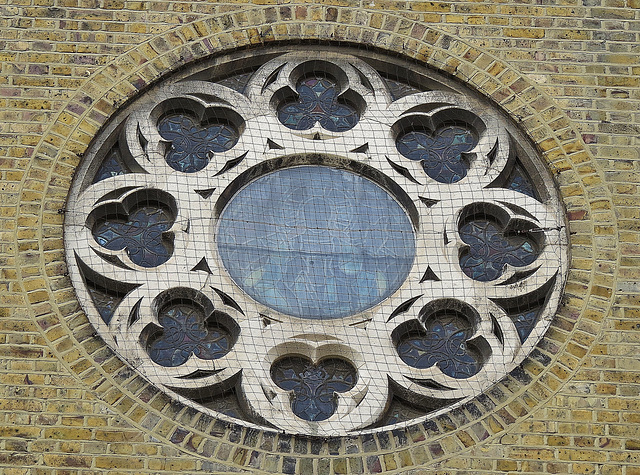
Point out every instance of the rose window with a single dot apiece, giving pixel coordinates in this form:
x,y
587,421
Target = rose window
x,y
319,243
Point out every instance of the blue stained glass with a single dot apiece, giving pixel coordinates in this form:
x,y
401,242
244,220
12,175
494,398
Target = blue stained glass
x,y
399,411
237,82
490,250
519,181
440,151
318,102
316,242
192,144
141,234
105,302
399,89
111,166
442,343
184,332
525,322
226,403
314,387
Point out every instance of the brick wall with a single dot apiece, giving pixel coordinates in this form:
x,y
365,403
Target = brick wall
x,y
567,71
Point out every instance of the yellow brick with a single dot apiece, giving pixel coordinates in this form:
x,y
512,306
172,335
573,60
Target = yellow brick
x,y
507,465
67,433
420,6
524,32
128,463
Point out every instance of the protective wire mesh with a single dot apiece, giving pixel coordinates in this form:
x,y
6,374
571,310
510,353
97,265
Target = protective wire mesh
x,y
316,242
307,233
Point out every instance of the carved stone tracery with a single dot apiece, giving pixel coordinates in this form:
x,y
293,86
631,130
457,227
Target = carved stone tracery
x,y
483,277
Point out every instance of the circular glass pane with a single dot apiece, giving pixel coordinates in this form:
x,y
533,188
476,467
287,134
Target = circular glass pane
x,y
316,242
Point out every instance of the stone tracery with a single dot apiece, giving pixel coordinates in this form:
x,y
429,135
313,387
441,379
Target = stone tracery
x,y
444,188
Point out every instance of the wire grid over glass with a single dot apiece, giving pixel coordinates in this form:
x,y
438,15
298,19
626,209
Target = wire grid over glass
x,y
321,242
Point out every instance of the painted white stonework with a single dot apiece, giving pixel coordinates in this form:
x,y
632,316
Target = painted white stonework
x,y
261,335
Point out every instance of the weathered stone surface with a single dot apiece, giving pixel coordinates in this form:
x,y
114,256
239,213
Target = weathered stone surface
x,y
567,72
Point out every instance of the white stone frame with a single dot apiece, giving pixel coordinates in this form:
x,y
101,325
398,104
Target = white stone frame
x,y
264,335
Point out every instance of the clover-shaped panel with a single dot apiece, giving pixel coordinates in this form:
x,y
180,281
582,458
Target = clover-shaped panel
x,y
441,142
318,101
313,387
189,325
193,142
184,333
140,225
440,151
442,340
493,241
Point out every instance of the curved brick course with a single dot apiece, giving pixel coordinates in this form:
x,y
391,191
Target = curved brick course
x,y
69,403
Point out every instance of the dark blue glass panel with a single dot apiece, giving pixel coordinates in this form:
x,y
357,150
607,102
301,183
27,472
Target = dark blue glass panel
x,y
441,343
141,234
399,89
192,144
519,181
237,82
525,322
318,102
399,411
105,293
314,387
227,404
440,152
111,166
106,302
184,333
490,250
316,242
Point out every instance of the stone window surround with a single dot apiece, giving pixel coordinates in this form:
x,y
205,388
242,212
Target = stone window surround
x,y
444,97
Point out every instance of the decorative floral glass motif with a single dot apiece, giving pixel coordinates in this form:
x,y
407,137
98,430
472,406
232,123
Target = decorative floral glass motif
x,y
318,102
490,250
185,332
304,281
440,152
442,343
141,234
313,387
193,144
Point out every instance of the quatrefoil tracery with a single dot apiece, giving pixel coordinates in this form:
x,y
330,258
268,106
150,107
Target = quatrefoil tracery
x,y
138,223
185,332
318,102
192,143
440,152
445,153
313,387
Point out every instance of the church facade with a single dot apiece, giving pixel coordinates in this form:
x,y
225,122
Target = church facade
x,y
534,104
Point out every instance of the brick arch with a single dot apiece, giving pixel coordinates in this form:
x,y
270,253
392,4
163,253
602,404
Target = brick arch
x,y
572,333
